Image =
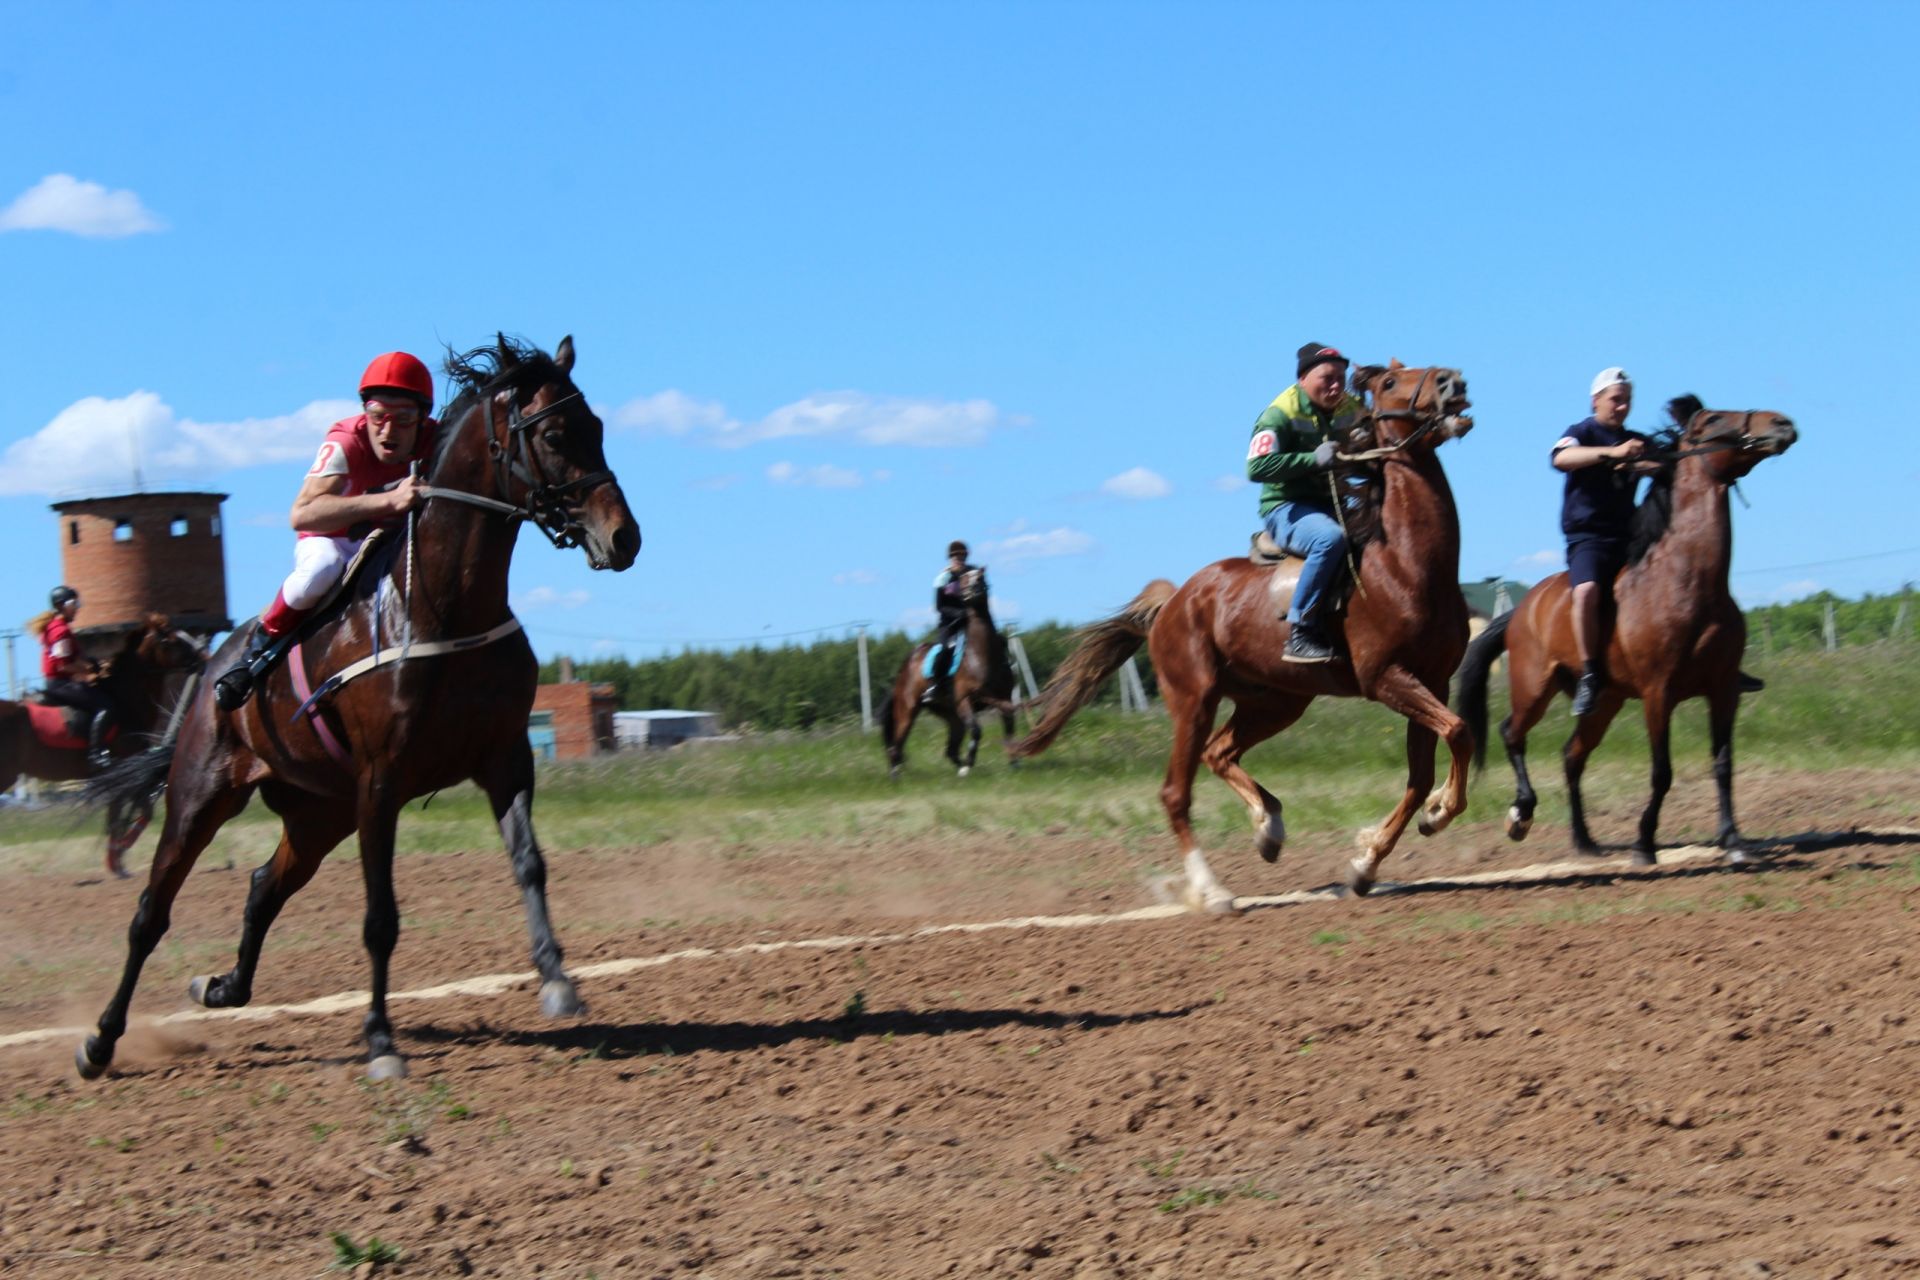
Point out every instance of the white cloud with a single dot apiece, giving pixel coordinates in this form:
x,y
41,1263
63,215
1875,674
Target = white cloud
x,y
847,415
1547,559
548,598
99,443
1044,545
1137,483
1230,483
1788,592
856,578
61,202
823,476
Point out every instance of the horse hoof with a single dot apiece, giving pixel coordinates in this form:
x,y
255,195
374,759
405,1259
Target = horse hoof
x,y
118,868
965,770
1426,828
85,1065
893,774
198,988
1271,849
558,999
1739,855
1359,882
1220,903
388,1066
1644,858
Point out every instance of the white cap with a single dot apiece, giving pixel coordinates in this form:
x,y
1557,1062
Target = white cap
x,y
1613,377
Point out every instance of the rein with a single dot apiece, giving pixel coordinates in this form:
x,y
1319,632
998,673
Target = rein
x,y
1409,414
547,506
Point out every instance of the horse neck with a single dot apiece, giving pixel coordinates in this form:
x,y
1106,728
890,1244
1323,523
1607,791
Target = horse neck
x,y
135,688
1697,547
461,553
1419,539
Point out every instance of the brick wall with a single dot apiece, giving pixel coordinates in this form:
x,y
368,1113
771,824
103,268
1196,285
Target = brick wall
x,y
582,717
142,553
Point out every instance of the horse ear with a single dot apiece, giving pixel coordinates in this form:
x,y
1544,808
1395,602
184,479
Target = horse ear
x,y
1395,364
563,354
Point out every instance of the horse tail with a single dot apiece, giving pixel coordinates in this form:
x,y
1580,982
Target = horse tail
x,y
1471,700
136,779
1098,652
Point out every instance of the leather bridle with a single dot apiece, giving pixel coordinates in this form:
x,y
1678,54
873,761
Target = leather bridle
x,y
548,506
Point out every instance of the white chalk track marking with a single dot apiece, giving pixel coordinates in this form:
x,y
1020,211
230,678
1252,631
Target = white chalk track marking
x,y
494,984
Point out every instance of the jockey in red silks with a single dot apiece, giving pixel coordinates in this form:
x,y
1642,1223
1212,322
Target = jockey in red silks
x,y
68,674
359,479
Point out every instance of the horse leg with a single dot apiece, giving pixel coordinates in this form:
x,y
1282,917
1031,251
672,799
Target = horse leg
x,y
1587,734
1721,707
1192,715
956,730
905,711
191,822
1007,731
1529,693
511,792
1429,719
313,825
379,814
1659,716
1251,724
970,720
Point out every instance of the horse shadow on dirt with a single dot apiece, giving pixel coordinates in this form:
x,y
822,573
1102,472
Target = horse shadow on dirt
x,y
678,1039
1775,854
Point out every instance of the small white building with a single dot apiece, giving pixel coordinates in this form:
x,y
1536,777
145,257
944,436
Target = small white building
x,y
634,730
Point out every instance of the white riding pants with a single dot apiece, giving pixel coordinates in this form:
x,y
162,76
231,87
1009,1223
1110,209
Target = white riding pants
x,y
317,565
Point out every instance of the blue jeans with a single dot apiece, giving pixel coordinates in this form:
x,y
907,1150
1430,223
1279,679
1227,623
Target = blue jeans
x,y
1307,529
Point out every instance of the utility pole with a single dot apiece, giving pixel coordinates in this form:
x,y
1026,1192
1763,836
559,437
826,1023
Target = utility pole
x,y
13,681
1833,641
866,686
1019,652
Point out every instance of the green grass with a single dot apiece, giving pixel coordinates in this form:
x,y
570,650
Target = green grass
x,y
1338,769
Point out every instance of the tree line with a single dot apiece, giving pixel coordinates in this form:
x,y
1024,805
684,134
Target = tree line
x,y
797,686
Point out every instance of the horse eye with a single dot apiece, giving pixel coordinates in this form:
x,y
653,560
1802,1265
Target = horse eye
x,y
553,437
1711,419
1387,385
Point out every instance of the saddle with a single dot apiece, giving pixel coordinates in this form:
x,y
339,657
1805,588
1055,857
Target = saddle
x,y
1264,552
63,728
930,665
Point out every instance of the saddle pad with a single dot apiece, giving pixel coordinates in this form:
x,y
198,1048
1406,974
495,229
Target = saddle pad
x,y
62,728
959,647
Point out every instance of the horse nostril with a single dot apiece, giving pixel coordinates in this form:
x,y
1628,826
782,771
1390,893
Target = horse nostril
x,y
626,541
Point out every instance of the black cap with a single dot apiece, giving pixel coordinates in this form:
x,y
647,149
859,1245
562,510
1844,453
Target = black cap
x,y
1314,353
957,549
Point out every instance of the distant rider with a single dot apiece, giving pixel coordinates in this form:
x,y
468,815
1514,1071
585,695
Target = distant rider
x,y
359,479
1291,452
69,676
950,603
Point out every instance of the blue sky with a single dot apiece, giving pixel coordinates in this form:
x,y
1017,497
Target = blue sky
x,y
848,281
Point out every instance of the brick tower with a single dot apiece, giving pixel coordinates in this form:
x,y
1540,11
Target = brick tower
x,y
144,553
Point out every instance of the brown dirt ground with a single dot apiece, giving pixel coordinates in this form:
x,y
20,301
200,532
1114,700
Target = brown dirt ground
x,y
1694,1072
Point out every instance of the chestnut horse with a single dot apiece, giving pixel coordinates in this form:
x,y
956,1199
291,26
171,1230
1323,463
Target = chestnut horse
x,y
138,678
424,680
1221,635
983,681
1677,633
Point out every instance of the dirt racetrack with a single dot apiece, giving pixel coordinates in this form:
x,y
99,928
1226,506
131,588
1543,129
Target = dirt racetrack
x,y
1690,1072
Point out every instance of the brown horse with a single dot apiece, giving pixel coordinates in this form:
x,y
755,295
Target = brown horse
x,y
1678,633
1222,634
39,742
982,682
424,680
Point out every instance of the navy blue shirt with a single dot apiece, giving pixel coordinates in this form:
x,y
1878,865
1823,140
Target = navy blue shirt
x,y
1599,500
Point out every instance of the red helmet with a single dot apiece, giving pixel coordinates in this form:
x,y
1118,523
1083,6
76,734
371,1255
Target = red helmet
x,y
402,372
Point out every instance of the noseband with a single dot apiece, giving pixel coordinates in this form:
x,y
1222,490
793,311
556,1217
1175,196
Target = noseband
x,y
549,507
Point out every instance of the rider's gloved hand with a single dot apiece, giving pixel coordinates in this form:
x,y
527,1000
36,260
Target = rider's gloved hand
x,y
1323,457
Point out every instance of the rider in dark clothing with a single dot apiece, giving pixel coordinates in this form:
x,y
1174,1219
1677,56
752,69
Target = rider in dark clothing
x,y
951,605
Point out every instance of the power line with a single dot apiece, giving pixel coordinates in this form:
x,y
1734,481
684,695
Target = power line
x,y
764,635
1821,564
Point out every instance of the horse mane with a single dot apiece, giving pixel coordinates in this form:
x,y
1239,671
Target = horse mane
x,y
1655,511
507,362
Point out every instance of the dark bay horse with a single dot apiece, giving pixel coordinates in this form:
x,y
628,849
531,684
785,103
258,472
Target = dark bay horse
x,y
1221,636
1677,635
447,700
982,682
36,741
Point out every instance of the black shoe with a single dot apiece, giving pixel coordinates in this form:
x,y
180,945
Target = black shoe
x,y
231,690
99,760
1750,684
1304,644
1585,694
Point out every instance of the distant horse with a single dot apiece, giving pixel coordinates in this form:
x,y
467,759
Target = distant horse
x,y
424,680
50,743
1222,634
1678,633
983,681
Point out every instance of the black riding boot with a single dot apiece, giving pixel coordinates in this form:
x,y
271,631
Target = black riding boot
x,y
98,758
231,691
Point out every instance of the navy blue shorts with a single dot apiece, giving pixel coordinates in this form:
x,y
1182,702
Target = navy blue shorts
x,y
1596,560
